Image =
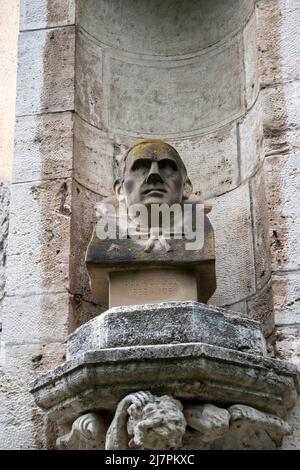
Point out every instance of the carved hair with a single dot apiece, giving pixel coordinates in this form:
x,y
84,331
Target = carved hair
x,y
163,413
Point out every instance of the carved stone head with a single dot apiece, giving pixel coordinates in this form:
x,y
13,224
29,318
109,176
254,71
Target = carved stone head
x,y
152,172
158,425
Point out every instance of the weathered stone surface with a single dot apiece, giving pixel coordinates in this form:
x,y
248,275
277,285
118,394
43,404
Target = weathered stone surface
x,y
231,219
38,255
43,148
36,318
93,158
251,429
210,421
162,28
21,422
281,118
167,323
38,14
88,433
46,71
143,421
211,161
89,100
251,61
287,343
283,178
260,215
186,371
286,288
9,28
82,311
151,111
83,220
279,47
251,140
260,308
4,222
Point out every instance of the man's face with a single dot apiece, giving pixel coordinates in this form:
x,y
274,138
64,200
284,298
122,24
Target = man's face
x,y
153,176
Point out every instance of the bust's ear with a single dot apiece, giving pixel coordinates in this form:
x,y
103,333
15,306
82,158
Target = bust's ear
x,y
118,189
187,189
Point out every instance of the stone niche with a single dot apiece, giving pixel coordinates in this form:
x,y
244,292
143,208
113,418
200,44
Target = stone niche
x,y
185,72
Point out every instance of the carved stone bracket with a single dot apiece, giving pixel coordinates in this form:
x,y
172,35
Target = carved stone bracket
x,y
145,421
229,394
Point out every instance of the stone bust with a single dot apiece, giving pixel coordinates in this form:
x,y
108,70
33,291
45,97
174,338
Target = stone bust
x,y
151,174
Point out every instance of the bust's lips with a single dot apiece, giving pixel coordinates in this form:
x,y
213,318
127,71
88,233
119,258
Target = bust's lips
x,y
154,190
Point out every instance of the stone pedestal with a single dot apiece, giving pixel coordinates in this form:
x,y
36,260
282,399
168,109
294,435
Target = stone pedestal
x,y
195,353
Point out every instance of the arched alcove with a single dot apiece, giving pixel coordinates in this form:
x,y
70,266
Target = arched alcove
x,y
185,72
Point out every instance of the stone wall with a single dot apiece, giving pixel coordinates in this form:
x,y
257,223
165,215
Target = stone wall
x,y
8,47
225,95
280,72
36,306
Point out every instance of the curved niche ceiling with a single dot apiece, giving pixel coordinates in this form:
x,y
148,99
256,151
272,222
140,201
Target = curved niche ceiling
x,y
147,67
162,27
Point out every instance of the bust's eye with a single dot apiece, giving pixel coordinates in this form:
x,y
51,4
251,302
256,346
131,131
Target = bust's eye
x,y
141,165
167,165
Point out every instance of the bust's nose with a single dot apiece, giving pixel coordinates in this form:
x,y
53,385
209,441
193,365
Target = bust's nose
x,y
154,175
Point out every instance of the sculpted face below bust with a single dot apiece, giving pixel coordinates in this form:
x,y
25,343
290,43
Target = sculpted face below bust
x,y
152,172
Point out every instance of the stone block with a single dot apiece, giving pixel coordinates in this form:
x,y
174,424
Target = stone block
x,y
279,48
281,118
39,318
83,222
289,35
231,219
38,254
144,97
288,343
260,308
167,323
251,140
46,71
93,158
283,185
260,215
286,292
194,371
251,61
38,14
4,225
211,161
151,286
43,147
89,100
21,422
